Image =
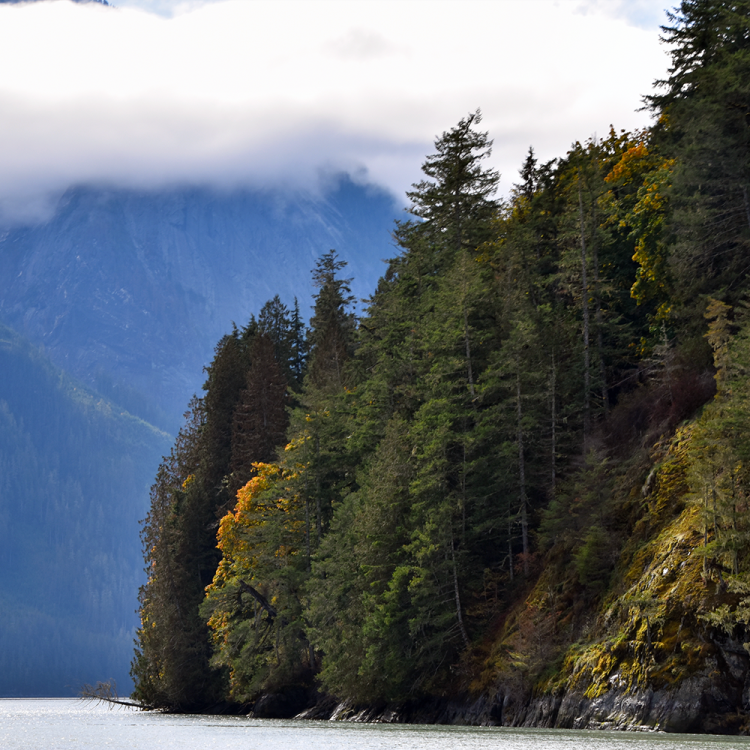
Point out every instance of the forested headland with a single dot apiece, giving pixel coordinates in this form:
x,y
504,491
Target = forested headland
x,y
513,490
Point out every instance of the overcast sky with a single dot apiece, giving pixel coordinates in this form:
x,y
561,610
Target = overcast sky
x,y
277,93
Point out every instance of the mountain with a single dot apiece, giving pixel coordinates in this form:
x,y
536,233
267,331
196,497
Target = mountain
x,y
129,290
74,478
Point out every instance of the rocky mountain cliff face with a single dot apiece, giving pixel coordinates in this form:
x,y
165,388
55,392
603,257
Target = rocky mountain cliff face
x,y
129,291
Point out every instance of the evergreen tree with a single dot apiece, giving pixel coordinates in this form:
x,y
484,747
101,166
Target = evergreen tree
x,y
170,669
456,202
424,345
359,611
705,105
331,335
260,419
323,419
297,348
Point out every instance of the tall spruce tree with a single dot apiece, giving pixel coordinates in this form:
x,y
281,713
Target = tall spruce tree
x,y
331,335
457,203
297,347
170,668
322,417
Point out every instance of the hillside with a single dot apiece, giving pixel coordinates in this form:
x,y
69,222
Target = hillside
x,y
74,477
128,291
117,302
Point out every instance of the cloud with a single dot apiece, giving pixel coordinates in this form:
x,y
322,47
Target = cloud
x,y
274,93
645,14
361,44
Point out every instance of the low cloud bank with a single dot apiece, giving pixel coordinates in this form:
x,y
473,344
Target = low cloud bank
x,y
276,94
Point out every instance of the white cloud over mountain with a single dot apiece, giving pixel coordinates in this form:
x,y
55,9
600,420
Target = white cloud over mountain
x,y
265,93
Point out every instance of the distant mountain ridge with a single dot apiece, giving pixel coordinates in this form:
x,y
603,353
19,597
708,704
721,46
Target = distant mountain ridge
x,y
130,290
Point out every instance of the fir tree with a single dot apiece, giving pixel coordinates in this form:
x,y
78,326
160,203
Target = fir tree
x,y
260,420
456,203
331,335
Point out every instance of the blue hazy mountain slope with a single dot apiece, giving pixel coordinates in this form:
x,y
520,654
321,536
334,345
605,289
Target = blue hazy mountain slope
x,y
129,291
74,479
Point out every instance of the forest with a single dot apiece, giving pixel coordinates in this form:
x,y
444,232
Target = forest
x,y
483,483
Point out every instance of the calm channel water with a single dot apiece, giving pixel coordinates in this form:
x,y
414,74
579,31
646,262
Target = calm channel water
x,y
65,724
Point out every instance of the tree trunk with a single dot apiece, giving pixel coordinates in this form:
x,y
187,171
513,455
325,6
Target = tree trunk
x,y
598,314
463,496
585,307
553,412
735,559
307,531
467,341
522,477
318,490
470,374
459,612
307,510
262,601
705,529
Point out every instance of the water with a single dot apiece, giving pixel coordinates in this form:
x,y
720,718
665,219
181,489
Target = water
x,y
63,724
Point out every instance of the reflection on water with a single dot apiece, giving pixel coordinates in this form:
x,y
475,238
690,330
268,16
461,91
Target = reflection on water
x,y
65,724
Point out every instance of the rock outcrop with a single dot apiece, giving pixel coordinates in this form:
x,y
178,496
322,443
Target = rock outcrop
x,y
704,703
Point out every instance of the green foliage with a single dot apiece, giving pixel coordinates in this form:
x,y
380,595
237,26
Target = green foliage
x,y
170,669
704,104
358,599
593,559
253,605
240,421
456,202
260,420
484,432
331,327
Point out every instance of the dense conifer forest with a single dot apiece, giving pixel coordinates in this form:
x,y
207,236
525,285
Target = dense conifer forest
x,y
522,470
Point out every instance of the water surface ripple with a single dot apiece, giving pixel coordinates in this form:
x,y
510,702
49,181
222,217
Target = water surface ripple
x,y
63,724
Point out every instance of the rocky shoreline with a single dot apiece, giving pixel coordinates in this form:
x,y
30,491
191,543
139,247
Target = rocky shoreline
x,y
714,701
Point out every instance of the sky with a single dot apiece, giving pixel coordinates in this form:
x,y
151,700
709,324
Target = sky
x,y
283,94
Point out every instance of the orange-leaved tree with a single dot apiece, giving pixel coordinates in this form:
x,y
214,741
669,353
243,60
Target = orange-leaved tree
x,y
253,605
